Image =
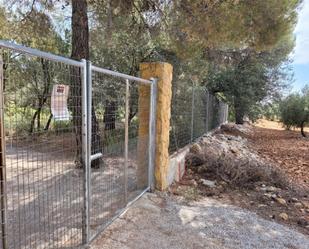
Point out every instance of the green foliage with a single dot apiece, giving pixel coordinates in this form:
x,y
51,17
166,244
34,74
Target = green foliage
x,y
255,112
294,109
236,47
235,24
271,111
247,82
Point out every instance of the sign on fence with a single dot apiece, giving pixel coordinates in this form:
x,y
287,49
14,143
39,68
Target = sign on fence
x,y
59,102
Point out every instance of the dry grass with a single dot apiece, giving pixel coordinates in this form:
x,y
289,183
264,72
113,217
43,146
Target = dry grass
x,y
275,125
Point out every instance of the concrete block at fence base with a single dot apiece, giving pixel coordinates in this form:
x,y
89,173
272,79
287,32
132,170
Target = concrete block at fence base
x,y
177,165
164,73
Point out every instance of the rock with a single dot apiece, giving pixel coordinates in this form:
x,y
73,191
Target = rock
x,y
202,168
223,183
208,183
234,150
262,205
306,204
270,189
284,216
193,182
298,205
268,195
303,222
281,201
194,160
294,200
196,149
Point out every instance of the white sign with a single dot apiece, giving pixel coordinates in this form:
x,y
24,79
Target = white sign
x,y
59,102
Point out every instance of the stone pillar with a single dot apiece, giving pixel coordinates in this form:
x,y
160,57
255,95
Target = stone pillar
x,y
164,73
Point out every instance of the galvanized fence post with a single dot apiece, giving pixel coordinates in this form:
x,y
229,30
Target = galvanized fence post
x,y
207,111
152,133
2,163
192,112
89,142
86,83
126,141
226,120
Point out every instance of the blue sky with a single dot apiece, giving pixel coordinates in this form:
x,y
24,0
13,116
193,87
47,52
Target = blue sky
x,y
301,53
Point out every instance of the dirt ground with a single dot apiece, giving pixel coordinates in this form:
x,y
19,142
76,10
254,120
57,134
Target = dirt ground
x,y
195,215
287,149
161,221
263,123
45,195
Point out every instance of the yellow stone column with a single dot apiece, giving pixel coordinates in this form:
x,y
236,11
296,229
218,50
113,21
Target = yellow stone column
x,y
164,73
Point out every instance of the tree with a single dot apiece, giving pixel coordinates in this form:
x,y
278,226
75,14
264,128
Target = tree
x,y
294,110
232,24
270,110
244,84
235,39
247,77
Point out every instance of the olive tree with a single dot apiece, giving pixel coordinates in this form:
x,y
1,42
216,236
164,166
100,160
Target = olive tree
x,y
294,110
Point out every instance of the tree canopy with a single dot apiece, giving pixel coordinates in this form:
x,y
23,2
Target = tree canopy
x,y
239,49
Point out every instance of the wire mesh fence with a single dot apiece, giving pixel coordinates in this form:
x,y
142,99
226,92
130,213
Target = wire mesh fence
x,y
77,145
73,156
44,188
194,112
115,134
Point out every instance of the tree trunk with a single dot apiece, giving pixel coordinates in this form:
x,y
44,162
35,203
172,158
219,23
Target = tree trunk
x,y
39,119
302,129
42,98
239,114
33,122
48,122
80,50
80,30
132,114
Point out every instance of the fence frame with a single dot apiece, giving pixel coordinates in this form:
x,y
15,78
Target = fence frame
x,y
86,68
3,199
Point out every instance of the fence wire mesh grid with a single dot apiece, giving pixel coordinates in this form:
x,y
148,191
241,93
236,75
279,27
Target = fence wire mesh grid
x,y
44,194
123,174
43,200
194,112
77,145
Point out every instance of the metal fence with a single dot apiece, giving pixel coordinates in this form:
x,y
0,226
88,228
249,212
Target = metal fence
x,y
73,155
70,148
194,112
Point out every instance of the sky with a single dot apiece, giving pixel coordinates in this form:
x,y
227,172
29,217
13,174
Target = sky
x,y
301,53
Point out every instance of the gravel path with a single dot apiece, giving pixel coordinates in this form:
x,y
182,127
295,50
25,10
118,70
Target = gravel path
x,y
164,223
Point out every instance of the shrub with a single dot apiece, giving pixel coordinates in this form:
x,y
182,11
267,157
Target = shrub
x,y
294,110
